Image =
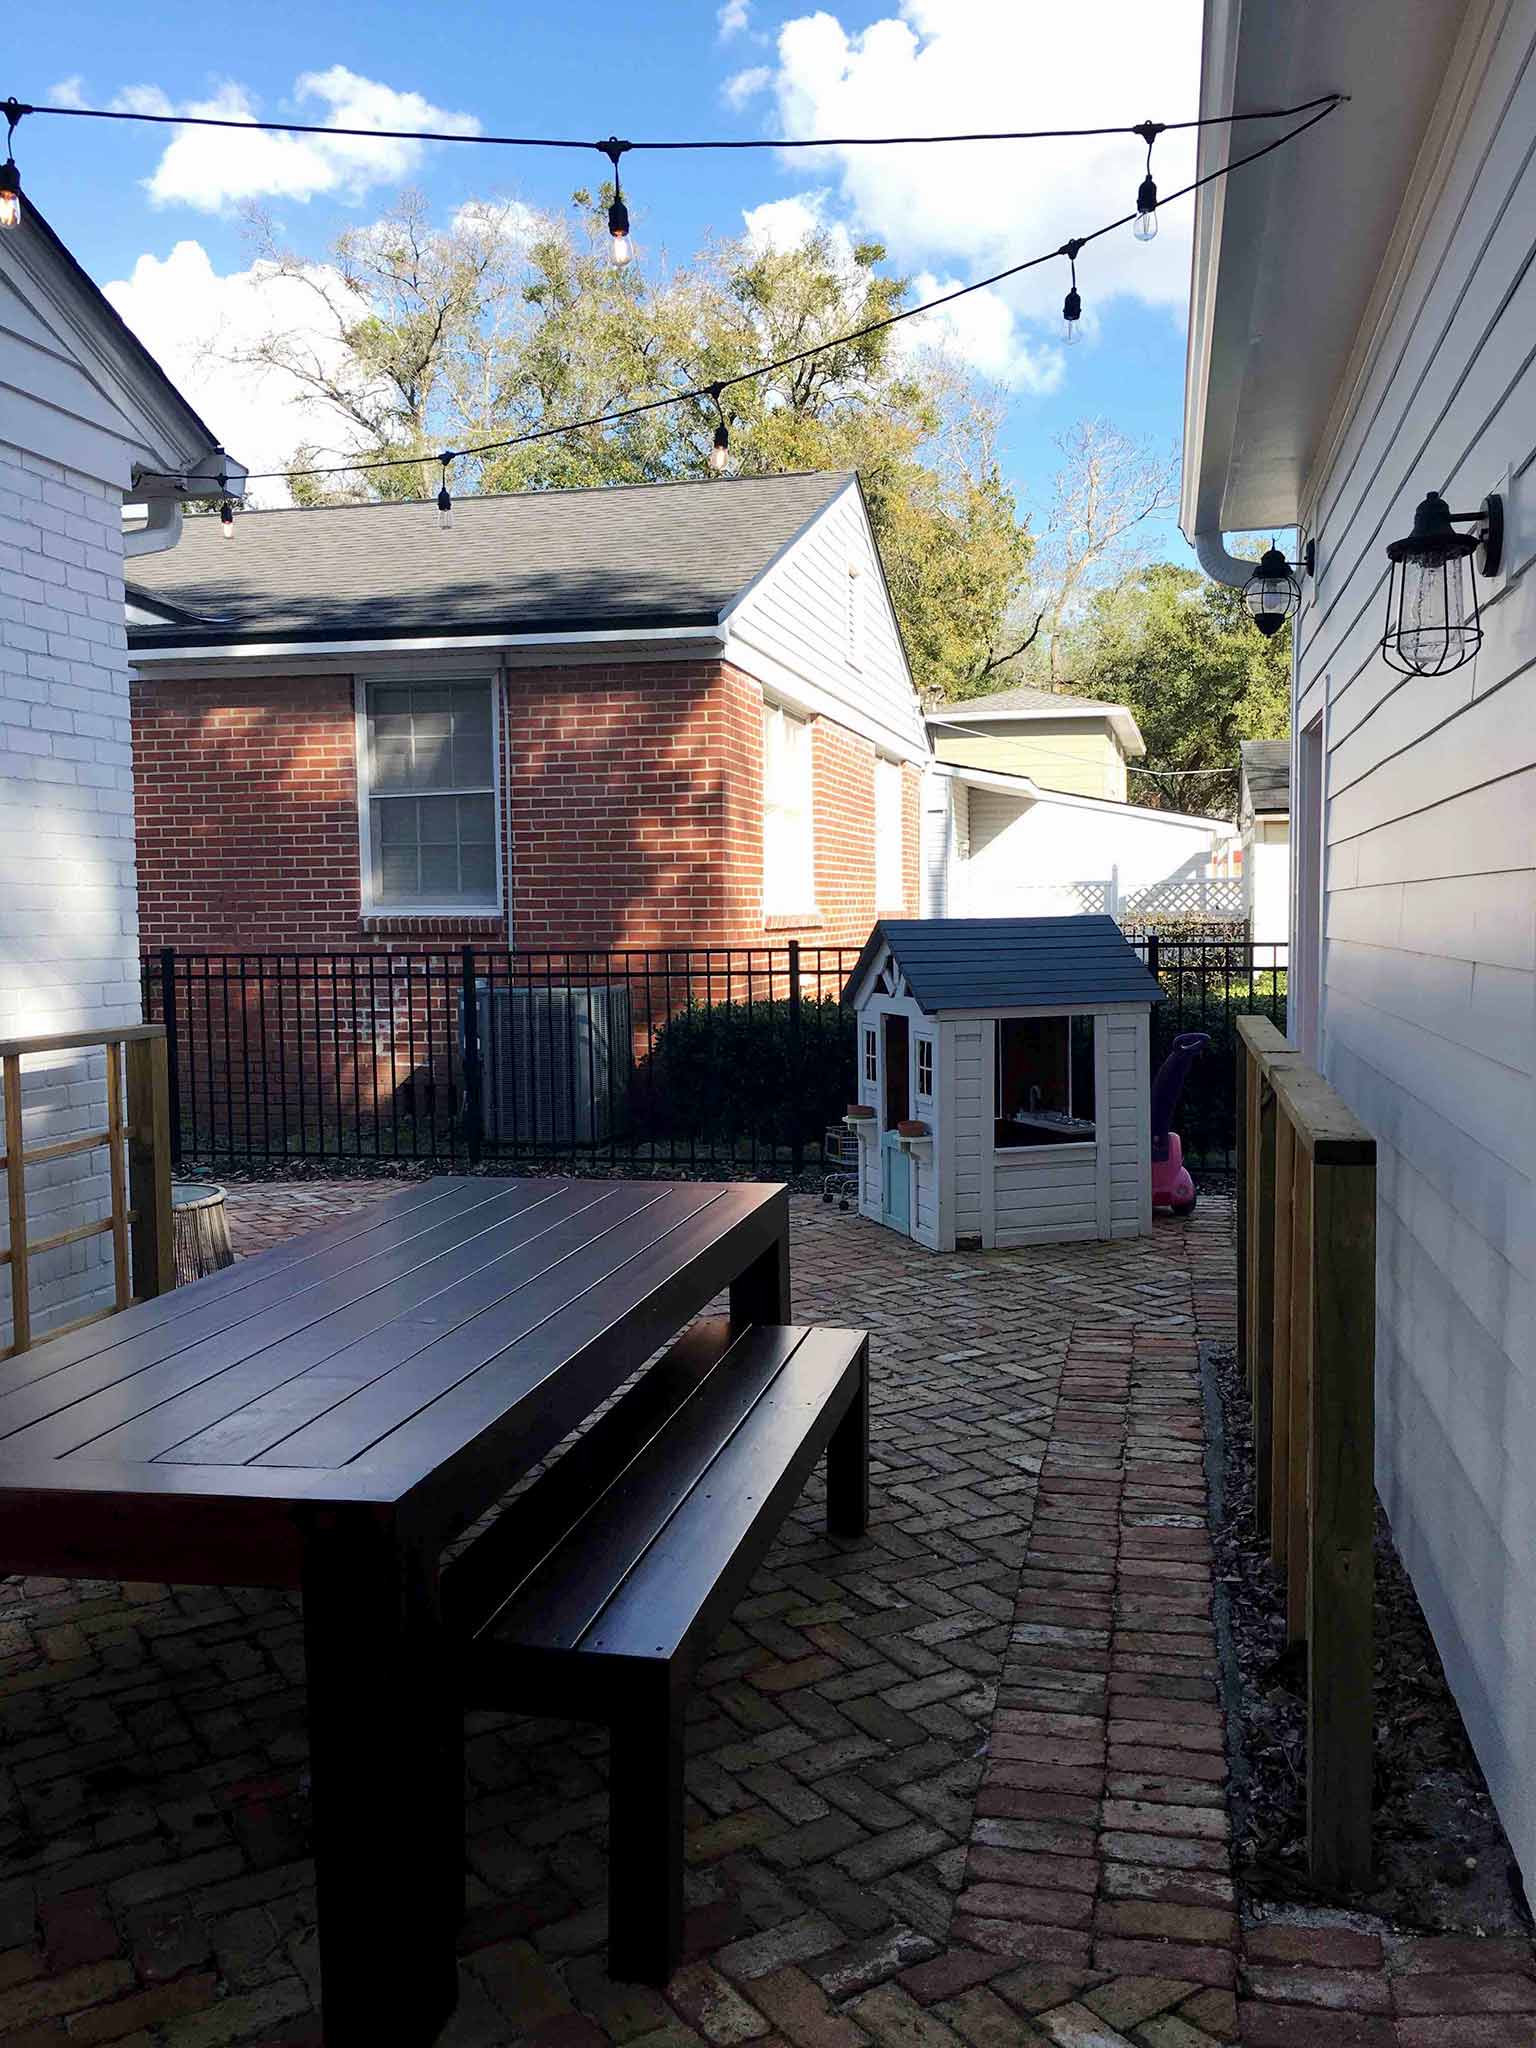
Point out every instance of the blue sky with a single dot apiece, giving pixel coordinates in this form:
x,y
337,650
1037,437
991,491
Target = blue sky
x,y
682,67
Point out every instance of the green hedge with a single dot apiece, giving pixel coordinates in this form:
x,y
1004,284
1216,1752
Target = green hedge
x,y
736,1071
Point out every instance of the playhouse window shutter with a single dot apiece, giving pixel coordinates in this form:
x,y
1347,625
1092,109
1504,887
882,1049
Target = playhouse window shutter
x,y
789,879
431,796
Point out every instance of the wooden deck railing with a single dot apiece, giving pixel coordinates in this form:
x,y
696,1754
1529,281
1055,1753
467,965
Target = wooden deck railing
x,y
136,1135
1307,1286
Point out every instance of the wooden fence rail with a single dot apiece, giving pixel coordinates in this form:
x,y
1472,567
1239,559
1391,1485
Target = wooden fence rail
x,y
136,1138
1307,1288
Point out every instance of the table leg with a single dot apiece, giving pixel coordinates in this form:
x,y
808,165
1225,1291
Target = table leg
x,y
386,1766
760,1292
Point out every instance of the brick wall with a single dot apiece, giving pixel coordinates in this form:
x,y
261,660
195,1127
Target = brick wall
x,y
632,799
68,931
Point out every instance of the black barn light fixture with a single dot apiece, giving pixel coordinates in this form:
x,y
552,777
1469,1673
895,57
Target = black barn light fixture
x,y
1273,592
1433,620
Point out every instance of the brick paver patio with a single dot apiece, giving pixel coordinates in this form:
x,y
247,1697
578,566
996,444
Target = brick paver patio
x,y
960,1782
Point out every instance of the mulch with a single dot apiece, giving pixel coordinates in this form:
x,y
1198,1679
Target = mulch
x,y
1442,1862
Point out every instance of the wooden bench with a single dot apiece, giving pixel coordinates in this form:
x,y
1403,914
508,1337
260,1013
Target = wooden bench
x,y
596,1593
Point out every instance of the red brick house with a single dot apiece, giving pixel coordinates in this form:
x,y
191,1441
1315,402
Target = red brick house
x,y
656,715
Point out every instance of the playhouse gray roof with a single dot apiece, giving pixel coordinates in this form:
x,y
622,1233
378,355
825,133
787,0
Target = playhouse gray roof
x,y
627,557
1267,774
1006,963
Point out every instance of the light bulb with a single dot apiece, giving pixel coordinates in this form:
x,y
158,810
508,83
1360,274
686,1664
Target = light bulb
x,y
620,248
10,195
1146,211
227,520
719,454
1071,314
444,511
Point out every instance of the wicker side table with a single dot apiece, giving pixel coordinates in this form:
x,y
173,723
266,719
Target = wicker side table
x,y
200,1225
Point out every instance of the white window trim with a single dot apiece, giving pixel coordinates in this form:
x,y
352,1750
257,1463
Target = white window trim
x,y
919,1047
788,911
462,907
898,901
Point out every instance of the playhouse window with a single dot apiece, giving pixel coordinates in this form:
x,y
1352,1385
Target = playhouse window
x,y
871,1057
925,1067
1044,1081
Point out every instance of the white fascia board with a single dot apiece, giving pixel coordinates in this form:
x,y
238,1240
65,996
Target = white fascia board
x,y
1021,786
796,693
1120,716
293,656
1218,81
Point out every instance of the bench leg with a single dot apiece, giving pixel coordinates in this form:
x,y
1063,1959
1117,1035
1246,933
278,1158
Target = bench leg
x,y
645,1835
848,1462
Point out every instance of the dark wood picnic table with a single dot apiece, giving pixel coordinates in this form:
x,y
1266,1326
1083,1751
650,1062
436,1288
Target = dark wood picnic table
x,y
330,1415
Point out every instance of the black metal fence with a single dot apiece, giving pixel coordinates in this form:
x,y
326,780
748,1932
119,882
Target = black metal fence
x,y
667,1060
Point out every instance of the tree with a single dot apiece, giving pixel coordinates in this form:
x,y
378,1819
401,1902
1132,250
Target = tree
x,y
507,323
1182,654
1104,498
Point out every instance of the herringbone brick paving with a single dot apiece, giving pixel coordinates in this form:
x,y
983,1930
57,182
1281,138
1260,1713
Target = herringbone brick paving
x,y
960,1782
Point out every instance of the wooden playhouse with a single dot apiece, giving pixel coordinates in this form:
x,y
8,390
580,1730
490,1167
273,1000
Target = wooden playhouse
x,y
1004,1080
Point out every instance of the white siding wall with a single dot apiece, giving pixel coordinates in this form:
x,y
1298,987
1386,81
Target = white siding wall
x,y
68,908
1267,880
792,633
973,1123
1130,1125
1054,858
1046,1194
1429,1000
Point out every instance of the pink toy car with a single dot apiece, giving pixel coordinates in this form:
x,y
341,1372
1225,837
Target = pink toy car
x,y
1173,1191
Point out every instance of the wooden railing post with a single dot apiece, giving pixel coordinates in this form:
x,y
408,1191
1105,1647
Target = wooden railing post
x,y
16,1203
149,1165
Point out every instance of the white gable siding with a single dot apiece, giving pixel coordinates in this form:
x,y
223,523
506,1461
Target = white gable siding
x,y
1428,1006
792,632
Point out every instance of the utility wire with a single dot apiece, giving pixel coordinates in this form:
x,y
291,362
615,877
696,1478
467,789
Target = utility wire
x,y
21,107
716,386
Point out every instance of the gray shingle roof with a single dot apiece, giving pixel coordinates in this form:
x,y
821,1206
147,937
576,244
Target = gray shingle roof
x,y
991,963
622,558
1267,774
1026,697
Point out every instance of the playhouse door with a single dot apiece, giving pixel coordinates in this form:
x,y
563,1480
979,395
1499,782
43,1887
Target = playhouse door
x,y
896,1165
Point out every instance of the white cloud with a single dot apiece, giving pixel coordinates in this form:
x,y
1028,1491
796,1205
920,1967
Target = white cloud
x,y
191,319
742,86
947,66
67,92
785,223
212,168
986,334
733,18
502,219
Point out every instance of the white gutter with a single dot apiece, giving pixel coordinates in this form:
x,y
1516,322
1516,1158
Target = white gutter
x,y
291,650
1021,786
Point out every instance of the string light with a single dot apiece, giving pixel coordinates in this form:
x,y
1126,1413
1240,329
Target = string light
x,y
226,514
10,177
619,415
720,451
1071,305
1145,229
444,502
620,247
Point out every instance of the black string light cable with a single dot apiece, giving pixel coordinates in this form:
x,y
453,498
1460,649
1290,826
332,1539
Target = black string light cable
x,y
714,390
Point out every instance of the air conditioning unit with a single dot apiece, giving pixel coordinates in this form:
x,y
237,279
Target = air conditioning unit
x,y
556,1062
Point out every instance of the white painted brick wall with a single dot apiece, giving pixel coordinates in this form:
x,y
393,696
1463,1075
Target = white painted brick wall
x,y
68,902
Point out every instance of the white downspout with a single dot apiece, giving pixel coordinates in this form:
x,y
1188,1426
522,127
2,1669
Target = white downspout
x,y
1218,564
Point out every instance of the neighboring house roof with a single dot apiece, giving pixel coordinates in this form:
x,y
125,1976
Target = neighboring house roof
x,y
1288,280
634,557
1028,701
1266,776
1007,963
